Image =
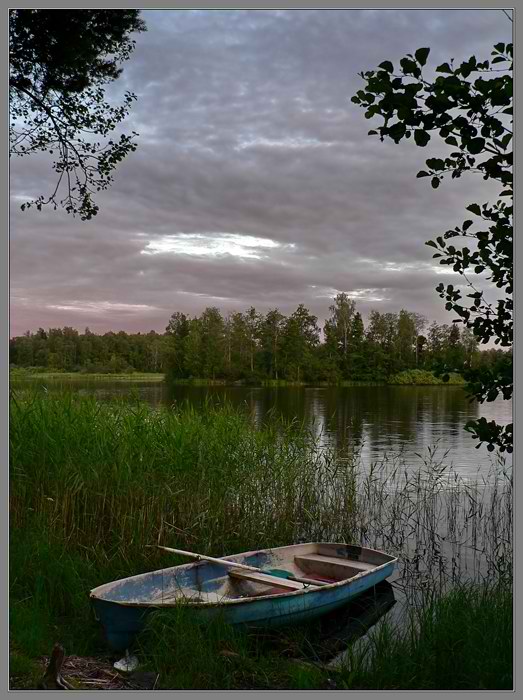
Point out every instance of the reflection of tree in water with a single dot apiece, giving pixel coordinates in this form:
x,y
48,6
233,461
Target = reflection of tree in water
x,y
344,420
326,639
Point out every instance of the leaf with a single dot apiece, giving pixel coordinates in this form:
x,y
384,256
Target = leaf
x,y
500,48
387,65
422,173
435,182
421,56
421,137
435,163
409,67
444,68
474,208
397,131
476,145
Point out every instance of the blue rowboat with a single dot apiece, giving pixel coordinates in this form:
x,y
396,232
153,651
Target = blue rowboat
x,y
263,588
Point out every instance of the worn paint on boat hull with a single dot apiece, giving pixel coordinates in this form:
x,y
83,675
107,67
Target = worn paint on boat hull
x,y
123,606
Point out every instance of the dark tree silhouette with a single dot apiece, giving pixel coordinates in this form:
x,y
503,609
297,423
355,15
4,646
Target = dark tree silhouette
x,y
60,63
470,108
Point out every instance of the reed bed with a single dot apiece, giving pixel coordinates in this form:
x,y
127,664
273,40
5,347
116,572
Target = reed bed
x,y
91,484
460,641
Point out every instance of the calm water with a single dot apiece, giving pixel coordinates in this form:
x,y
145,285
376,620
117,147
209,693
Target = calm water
x,y
373,419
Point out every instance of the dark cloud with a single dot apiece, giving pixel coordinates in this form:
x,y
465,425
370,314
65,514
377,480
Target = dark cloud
x,y
247,132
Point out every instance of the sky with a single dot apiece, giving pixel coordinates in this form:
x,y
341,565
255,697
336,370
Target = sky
x,y
254,182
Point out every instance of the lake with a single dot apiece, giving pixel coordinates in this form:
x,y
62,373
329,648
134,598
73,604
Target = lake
x,y
374,420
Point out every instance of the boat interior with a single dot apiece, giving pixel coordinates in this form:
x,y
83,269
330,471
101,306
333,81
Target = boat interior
x,y
283,570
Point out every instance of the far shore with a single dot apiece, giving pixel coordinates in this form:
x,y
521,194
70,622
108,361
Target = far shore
x,y
403,379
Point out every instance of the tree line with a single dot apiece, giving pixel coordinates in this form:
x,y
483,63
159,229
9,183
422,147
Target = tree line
x,y
251,346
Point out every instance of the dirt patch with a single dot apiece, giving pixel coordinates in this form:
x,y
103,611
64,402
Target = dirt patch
x,y
91,673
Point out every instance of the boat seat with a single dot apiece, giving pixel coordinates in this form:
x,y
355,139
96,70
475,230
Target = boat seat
x,y
336,566
322,558
267,579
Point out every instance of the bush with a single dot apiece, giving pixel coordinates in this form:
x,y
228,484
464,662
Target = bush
x,y
422,377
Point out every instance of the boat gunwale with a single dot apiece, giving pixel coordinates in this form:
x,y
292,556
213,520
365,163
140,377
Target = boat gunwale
x,y
249,599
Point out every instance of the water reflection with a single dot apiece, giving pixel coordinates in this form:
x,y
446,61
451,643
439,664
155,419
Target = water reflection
x,y
344,626
325,640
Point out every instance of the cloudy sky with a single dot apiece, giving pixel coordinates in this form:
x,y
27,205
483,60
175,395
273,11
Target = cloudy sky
x,y
254,183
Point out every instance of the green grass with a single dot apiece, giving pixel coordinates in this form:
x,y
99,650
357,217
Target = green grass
x,y
21,373
92,483
459,641
24,672
462,640
407,378
421,377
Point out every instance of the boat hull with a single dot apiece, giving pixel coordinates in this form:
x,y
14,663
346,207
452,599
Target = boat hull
x,y
123,620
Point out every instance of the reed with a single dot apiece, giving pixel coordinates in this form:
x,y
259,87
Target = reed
x,y
463,640
91,484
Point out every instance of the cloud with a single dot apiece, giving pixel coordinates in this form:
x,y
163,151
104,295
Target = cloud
x,y
211,244
254,181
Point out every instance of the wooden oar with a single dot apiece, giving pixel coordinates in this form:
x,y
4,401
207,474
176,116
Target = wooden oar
x,y
202,557
235,565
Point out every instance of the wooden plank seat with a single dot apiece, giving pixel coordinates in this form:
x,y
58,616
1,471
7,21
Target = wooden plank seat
x,y
322,564
267,579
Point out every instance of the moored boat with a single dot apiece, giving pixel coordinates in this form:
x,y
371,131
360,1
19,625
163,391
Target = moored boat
x,y
263,588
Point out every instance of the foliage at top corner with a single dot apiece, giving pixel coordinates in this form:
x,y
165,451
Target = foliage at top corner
x,y
60,63
468,109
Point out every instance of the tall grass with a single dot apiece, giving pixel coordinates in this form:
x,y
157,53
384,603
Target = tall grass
x,y
114,477
460,641
91,484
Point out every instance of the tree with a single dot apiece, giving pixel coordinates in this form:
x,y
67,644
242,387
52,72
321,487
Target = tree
x,y
357,360
253,322
420,321
60,61
193,349
406,339
474,117
339,326
177,330
212,342
342,312
270,335
300,337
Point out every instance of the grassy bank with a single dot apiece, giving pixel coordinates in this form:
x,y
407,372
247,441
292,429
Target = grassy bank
x,y
414,377
91,484
407,378
21,373
461,640
420,377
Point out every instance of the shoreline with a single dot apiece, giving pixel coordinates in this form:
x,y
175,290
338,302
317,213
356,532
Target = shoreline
x,y
159,377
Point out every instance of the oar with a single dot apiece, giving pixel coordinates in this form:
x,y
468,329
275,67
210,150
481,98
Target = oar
x,y
236,565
